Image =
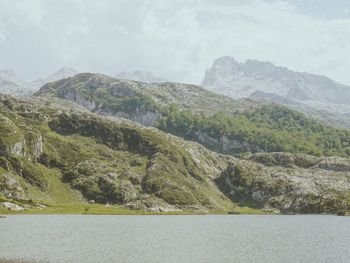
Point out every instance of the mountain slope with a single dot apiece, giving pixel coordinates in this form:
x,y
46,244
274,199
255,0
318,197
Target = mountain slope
x,y
107,161
301,91
51,151
190,111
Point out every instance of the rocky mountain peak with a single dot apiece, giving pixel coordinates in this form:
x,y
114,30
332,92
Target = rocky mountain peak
x,y
226,63
242,79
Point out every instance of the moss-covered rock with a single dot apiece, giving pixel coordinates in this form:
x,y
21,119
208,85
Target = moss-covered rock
x,y
291,190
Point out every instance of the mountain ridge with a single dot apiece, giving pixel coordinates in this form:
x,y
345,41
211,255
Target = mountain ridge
x,y
216,121
315,95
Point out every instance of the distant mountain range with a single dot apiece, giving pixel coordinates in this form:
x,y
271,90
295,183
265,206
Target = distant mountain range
x,y
139,75
62,73
13,85
313,94
317,96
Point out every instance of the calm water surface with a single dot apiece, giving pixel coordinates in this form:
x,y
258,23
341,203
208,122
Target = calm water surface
x,y
55,238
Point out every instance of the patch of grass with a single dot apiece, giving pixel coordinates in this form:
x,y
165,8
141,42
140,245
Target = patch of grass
x,y
92,209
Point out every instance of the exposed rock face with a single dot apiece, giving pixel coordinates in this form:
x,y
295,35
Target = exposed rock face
x,y
289,160
302,91
151,204
17,149
72,91
34,143
10,186
75,96
15,142
225,144
291,190
11,206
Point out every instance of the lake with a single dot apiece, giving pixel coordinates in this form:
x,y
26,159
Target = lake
x,y
211,238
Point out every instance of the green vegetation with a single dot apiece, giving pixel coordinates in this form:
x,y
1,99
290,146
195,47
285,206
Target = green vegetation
x,y
98,209
113,99
212,120
91,209
77,157
89,158
270,128
132,105
170,173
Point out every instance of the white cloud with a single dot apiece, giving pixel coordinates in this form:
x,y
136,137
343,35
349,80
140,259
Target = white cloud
x,y
176,39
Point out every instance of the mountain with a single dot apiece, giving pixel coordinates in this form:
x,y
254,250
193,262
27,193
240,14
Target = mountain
x,y
62,73
305,92
11,84
53,152
218,122
139,75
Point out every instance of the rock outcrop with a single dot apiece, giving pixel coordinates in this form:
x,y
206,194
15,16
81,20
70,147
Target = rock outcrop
x,y
290,188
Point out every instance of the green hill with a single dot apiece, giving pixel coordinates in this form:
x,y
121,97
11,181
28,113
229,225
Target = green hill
x,y
189,111
53,154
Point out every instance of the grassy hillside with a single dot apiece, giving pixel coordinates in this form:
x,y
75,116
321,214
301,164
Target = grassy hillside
x,y
66,157
55,158
272,128
215,121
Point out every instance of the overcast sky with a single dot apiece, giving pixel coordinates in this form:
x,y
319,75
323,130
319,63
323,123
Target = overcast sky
x,y
175,39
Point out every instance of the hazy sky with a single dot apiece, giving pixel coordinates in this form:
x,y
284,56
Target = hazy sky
x,y
175,39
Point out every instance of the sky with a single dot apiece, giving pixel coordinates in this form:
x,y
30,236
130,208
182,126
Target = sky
x,y
176,39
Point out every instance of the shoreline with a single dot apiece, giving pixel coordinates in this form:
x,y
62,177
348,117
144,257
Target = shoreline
x,y
99,209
